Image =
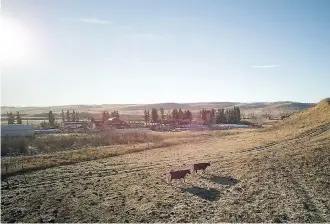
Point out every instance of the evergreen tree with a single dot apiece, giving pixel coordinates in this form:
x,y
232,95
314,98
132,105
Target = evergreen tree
x,y
114,114
221,117
169,116
105,115
162,116
234,111
189,115
51,119
18,118
217,118
180,114
231,116
146,116
154,115
63,116
227,116
237,115
68,115
203,114
175,114
77,116
11,118
148,113
73,116
213,116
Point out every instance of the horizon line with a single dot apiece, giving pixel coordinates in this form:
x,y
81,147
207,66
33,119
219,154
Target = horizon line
x,y
210,102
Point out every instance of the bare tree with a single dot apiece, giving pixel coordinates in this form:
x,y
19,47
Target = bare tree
x,y
267,114
252,116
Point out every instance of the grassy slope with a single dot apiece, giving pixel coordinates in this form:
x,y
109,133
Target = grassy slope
x,y
276,175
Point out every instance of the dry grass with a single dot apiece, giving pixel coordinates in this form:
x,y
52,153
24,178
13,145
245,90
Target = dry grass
x,y
129,143
280,174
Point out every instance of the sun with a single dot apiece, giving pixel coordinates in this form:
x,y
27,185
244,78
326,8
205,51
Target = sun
x,y
15,42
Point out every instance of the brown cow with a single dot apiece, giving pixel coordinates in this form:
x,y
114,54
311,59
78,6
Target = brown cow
x,y
179,174
200,166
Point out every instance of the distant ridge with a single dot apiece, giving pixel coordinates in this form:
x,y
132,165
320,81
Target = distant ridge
x,y
286,105
137,108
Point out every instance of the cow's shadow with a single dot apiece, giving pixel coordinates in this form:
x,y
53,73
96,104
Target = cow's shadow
x,y
229,181
211,194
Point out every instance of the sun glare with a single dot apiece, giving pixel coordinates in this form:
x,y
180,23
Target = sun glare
x,y
15,43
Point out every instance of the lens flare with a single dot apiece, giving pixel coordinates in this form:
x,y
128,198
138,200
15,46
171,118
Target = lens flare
x,y
16,47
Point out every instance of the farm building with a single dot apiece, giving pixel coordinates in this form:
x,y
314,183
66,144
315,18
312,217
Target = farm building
x,y
111,123
17,130
74,126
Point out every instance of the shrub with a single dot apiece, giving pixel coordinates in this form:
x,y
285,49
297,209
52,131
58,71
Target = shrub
x,y
59,142
16,145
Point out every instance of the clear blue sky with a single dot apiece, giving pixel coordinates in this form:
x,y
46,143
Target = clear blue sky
x,y
147,51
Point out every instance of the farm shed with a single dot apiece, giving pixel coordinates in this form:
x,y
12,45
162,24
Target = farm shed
x,y
115,122
17,130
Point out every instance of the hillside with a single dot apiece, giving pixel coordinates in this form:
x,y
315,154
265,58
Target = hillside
x,y
312,117
302,121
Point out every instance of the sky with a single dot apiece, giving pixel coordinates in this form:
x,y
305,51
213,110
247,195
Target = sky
x,y
59,52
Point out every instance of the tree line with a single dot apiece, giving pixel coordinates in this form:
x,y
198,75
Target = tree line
x,y
74,116
51,121
174,115
210,116
221,116
228,116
